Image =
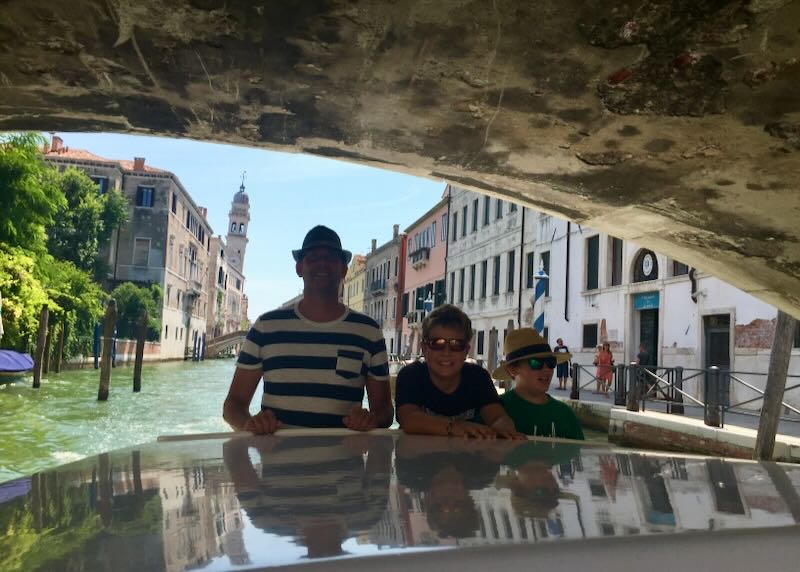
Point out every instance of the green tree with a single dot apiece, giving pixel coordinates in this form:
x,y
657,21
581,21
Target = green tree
x,y
23,297
29,193
79,302
85,221
130,301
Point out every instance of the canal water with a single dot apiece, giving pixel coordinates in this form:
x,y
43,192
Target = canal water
x,y
62,421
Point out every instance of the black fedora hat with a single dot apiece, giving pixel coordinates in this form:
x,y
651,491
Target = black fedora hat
x,y
322,236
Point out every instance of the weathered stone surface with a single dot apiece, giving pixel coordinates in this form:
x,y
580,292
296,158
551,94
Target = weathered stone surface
x,y
670,123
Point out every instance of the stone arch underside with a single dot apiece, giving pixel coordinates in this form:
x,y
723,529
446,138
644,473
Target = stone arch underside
x,y
674,124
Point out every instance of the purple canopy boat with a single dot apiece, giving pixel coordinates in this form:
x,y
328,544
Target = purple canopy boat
x,y
14,364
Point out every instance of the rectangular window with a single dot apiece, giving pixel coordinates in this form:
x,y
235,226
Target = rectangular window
x,y
472,282
102,184
592,262
545,260
461,285
530,270
444,228
679,268
145,196
512,255
590,336
141,251
512,207
405,304
479,351
475,215
455,227
396,263
464,221
496,280
433,234
484,277
498,209
486,210
438,293
616,261
174,203
452,287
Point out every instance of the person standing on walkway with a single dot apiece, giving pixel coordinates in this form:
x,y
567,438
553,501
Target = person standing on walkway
x,y
562,372
604,360
315,357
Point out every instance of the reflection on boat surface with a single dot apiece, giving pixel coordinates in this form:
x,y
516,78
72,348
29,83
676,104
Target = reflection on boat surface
x,y
268,501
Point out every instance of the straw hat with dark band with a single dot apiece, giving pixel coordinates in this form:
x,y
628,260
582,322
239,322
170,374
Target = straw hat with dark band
x,y
526,343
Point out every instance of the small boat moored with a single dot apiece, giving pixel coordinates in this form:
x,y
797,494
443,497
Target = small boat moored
x,y
14,365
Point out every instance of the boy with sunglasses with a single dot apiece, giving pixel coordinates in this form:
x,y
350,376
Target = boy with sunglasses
x,y
443,395
530,362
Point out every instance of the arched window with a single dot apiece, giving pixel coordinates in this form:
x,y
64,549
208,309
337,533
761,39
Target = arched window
x,y
233,227
241,228
645,266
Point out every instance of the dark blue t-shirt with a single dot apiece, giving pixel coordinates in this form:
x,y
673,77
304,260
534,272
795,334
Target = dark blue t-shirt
x,y
475,391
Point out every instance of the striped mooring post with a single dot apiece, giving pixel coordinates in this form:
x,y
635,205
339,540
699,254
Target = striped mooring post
x,y
540,287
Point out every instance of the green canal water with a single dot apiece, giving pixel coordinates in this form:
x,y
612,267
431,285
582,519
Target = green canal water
x,y
62,421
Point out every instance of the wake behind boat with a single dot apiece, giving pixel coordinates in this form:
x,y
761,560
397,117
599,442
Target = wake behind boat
x,y
14,365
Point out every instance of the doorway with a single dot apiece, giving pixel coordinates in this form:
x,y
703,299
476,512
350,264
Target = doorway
x,y
717,337
648,332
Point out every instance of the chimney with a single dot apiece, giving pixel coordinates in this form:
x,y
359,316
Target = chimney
x,y
58,142
374,244
138,163
203,212
395,230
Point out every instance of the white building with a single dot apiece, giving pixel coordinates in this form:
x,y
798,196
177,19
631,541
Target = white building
x,y
600,289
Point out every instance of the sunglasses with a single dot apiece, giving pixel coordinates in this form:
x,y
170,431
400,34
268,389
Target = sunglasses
x,y
539,363
438,344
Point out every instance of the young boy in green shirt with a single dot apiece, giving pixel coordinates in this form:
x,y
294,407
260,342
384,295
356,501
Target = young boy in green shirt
x,y
530,362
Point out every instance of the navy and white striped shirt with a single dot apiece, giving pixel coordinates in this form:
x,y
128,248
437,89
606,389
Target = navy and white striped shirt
x,y
314,372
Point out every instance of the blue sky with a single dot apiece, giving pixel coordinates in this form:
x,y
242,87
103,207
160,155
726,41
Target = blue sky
x,y
289,193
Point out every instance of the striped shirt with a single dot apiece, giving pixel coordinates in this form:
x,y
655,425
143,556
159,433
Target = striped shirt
x,y
314,372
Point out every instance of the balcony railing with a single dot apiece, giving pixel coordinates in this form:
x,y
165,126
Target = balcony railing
x,y
420,257
415,316
377,287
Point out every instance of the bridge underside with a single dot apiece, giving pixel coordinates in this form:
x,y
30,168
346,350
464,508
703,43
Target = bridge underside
x,y
675,124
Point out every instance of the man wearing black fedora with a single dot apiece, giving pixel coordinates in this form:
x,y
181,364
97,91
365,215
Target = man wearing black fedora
x,y
315,357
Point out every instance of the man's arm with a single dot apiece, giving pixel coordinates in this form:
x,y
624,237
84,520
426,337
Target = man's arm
x,y
236,410
379,395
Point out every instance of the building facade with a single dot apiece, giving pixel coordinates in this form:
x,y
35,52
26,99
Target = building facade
x,y
426,253
385,273
355,283
166,241
483,266
601,289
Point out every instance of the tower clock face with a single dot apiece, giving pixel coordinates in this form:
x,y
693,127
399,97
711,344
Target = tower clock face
x,y
647,264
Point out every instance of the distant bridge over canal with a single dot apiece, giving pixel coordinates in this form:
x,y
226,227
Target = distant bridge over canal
x,y
221,343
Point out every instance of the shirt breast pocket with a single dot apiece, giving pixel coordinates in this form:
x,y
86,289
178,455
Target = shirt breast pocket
x,y
349,363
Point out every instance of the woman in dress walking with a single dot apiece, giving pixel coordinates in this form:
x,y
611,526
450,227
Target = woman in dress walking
x,y
604,360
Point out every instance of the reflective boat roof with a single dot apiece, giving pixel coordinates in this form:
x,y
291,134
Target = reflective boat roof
x,y
259,502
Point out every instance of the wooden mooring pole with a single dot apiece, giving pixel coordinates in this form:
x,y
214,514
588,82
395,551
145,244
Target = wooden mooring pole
x,y
776,384
60,349
40,343
51,328
141,334
107,341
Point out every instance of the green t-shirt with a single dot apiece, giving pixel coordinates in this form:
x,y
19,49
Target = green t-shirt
x,y
551,419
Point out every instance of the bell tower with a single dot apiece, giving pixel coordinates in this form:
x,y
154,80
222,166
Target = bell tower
x,y
238,221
